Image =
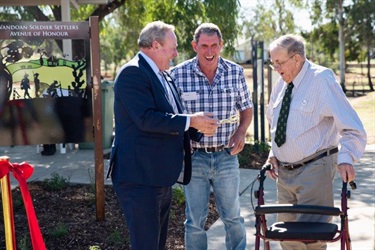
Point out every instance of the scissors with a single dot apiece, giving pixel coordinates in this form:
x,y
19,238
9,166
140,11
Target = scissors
x,y
232,119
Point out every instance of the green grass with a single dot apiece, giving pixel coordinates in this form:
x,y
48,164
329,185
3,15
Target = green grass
x,y
365,107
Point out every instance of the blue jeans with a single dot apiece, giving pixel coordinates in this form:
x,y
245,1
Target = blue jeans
x,y
221,171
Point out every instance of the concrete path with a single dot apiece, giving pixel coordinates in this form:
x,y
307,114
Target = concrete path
x,y
76,165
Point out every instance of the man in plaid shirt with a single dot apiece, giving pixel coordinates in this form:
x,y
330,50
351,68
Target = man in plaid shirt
x,y
209,83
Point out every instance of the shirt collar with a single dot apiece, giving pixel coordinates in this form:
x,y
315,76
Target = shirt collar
x,y
298,79
150,62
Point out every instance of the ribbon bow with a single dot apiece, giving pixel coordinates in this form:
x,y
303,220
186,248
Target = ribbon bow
x,y
22,171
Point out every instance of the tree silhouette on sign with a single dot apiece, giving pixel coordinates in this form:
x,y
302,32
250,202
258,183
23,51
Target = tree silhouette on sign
x,y
14,52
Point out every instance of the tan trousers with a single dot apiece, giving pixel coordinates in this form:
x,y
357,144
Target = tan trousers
x,y
311,184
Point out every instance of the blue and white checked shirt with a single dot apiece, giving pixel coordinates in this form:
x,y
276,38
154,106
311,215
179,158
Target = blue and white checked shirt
x,y
227,95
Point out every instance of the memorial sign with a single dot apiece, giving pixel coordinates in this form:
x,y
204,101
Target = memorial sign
x,y
45,95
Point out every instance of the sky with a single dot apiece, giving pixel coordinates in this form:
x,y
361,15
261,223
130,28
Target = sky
x,y
300,15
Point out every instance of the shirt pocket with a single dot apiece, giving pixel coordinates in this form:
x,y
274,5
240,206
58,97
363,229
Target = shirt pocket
x,y
302,117
227,95
304,106
275,105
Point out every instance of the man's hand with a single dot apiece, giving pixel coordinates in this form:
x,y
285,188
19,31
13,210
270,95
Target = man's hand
x,y
273,172
346,171
237,142
204,123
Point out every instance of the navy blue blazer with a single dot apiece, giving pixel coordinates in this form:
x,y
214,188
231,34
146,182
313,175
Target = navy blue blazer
x,y
148,148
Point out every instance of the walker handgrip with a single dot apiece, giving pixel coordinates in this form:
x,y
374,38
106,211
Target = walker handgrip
x,y
266,167
300,209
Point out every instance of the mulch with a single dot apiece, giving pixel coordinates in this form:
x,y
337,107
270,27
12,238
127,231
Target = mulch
x,y
67,214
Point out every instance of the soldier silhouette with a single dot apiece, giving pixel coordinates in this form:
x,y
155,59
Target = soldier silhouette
x,y
25,86
52,89
36,84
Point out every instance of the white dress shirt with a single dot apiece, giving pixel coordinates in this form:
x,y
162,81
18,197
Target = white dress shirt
x,y
320,117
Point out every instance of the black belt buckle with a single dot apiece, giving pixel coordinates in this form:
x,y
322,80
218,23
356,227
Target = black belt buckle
x,y
210,150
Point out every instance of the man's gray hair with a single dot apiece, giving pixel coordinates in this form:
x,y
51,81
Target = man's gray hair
x,y
154,31
208,29
294,44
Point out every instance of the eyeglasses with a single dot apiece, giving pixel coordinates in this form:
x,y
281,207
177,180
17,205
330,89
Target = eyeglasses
x,y
276,66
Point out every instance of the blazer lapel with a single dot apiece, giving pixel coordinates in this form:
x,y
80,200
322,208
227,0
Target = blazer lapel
x,y
155,78
174,91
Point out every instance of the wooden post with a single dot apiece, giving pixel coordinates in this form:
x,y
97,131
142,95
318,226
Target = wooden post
x,y
98,123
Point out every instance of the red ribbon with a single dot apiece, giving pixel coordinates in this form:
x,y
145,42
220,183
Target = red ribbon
x,y
22,171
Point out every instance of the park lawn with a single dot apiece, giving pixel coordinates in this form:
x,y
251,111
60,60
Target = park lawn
x,y
365,107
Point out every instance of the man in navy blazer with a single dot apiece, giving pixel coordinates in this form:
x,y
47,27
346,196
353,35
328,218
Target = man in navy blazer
x,y
152,137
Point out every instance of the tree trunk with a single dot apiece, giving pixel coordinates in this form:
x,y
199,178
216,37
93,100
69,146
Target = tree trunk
x,y
342,45
369,70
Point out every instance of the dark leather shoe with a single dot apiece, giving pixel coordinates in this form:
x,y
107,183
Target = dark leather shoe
x,y
49,149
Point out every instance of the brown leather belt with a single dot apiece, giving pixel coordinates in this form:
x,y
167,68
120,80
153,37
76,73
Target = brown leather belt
x,y
210,149
295,166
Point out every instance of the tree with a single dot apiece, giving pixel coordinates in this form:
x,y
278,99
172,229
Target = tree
x,y
340,32
362,21
272,21
130,15
225,15
325,38
119,33
357,23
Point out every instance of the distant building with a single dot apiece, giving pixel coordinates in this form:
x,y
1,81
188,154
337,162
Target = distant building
x,y
243,52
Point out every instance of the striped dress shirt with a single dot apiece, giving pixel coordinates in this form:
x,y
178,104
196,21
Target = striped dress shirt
x,y
320,117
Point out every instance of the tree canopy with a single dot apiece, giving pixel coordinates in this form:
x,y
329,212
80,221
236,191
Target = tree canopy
x,y
271,19
122,20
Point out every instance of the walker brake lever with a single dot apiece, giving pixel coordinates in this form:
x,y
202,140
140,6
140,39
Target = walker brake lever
x,y
353,185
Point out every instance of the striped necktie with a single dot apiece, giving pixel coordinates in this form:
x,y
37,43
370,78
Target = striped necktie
x,y
168,92
280,136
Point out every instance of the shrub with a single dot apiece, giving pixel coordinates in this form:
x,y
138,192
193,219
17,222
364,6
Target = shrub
x,y
55,183
253,156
